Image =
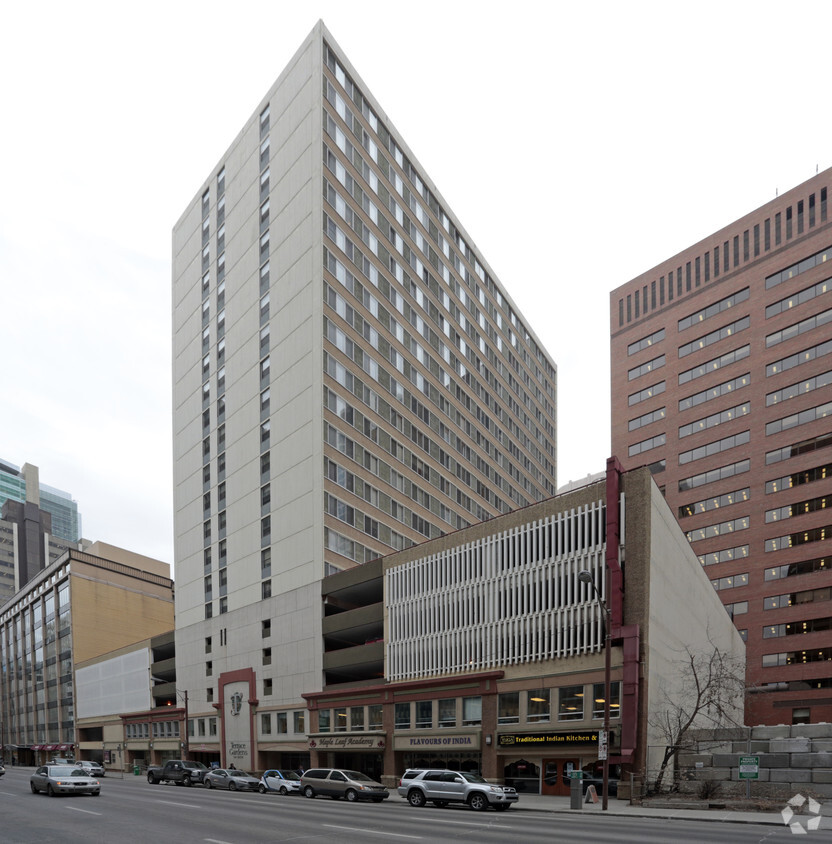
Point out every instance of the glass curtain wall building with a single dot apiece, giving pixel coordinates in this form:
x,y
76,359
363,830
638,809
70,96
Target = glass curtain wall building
x,y
66,520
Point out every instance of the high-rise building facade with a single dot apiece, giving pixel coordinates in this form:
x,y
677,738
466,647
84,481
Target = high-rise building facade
x,y
349,377
28,543
721,369
16,483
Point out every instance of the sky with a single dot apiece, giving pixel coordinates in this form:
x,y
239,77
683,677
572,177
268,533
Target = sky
x,y
579,144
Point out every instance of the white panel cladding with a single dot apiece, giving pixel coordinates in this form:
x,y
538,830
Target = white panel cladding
x,y
512,597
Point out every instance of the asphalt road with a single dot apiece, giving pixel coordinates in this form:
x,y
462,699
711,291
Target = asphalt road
x,y
131,811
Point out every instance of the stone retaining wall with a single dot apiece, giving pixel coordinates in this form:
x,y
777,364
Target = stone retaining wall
x,y
793,759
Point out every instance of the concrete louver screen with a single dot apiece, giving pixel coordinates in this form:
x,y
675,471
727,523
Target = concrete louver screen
x,y
513,597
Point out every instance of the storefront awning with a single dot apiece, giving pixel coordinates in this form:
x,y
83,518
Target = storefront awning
x,y
37,747
63,747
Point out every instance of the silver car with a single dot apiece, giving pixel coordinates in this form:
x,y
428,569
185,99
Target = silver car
x,y
232,779
442,787
94,769
63,779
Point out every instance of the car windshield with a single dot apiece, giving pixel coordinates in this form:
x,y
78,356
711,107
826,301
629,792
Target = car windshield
x,y
288,775
357,775
63,771
472,777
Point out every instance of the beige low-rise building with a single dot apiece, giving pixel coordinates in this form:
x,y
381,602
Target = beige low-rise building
x,y
85,605
483,650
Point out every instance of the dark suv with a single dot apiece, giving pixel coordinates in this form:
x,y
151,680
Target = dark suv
x,y
443,787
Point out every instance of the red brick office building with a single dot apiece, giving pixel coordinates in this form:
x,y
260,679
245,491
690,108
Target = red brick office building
x,y
721,374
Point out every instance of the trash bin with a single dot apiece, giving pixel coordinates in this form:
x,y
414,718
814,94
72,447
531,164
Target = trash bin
x,y
136,770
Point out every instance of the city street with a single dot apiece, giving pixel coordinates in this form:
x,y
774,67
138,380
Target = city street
x,y
131,810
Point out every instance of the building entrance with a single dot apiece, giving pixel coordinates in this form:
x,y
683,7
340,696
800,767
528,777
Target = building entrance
x,y
556,776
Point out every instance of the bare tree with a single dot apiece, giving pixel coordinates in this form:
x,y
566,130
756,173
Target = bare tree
x,y
709,692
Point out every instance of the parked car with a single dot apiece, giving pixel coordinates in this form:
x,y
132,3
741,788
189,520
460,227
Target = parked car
x,y
94,769
284,782
63,779
232,779
443,787
338,783
2,770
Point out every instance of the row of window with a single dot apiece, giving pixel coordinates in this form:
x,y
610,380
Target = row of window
x,y
348,247
636,303
158,729
429,389
389,143
543,705
283,723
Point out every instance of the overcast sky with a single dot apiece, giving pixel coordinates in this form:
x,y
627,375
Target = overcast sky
x,y
580,144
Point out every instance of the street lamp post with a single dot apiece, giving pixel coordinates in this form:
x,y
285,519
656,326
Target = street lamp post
x,y
586,577
186,746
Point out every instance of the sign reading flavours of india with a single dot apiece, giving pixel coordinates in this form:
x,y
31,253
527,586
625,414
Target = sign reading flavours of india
x,y
547,739
466,741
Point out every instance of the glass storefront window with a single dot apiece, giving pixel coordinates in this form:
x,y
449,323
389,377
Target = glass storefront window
x,y
447,712
341,719
325,720
402,716
357,718
508,708
598,700
571,703
471,711
538,705
374,717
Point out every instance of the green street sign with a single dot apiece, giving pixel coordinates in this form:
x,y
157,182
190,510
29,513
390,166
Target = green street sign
x,y
576,775
749,767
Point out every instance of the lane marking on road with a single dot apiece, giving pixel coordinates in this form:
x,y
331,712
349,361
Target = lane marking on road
x,y
483,822
216,841
183,805
371,831
85,811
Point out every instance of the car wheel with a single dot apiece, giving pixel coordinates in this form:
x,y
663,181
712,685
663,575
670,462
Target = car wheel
x,y
209,784
283,790
50,791
440,803
152,780
478,802
309,791
416,798
351,795
232,786
33,787
261,788
189,782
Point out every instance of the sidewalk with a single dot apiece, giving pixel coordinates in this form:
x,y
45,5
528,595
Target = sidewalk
x,y
544,803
